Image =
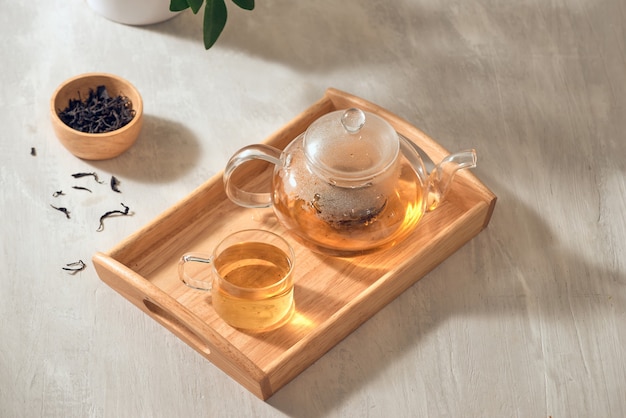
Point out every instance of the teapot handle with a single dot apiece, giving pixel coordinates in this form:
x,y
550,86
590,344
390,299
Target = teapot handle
x,y
441,177
249,153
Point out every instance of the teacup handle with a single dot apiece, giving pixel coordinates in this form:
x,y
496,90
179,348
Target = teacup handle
x,y
249,153
189,280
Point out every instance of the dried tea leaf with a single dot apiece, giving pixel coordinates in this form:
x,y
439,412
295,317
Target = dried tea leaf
x,y
98,113
115,184
75,267
64,210
125,212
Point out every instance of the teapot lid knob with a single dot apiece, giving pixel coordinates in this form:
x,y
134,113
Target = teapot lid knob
x,y
353,120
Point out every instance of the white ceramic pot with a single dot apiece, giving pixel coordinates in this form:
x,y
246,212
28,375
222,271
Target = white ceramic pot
x,y
133,12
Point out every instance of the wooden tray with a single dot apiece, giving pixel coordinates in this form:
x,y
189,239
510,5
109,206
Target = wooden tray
x,y
333,295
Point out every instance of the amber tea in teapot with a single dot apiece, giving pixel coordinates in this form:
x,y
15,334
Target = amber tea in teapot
x,y
349,184
331,219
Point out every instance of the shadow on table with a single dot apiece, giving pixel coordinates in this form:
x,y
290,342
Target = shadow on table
x,y
491,276
164,151
309,36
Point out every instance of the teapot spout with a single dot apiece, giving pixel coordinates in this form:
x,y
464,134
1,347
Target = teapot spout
x,y
442,175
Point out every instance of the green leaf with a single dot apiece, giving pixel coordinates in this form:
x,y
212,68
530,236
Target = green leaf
x,y
215,16
195,5
245,4
178,5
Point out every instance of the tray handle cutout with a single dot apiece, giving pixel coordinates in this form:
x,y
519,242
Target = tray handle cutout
x,y
184,324
178,327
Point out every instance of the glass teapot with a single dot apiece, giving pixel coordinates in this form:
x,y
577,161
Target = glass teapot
x,y
348,185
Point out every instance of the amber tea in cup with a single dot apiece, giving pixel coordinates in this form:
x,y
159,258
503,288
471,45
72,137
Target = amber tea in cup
x,y
251,280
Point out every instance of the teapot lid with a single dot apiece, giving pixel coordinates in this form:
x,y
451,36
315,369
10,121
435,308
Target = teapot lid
x,y
350,146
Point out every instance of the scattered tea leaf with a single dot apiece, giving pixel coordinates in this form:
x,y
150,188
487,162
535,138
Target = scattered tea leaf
x,y
64,210
58,193
125,212
75,267
93,174
33,151
81,188
114,184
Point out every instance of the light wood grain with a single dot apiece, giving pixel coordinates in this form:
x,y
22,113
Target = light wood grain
x,y
333,295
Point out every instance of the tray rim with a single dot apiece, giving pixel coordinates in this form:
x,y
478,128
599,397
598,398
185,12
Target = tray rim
x,y
151,299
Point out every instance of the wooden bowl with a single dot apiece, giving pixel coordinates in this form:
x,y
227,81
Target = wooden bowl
x,y
96,146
